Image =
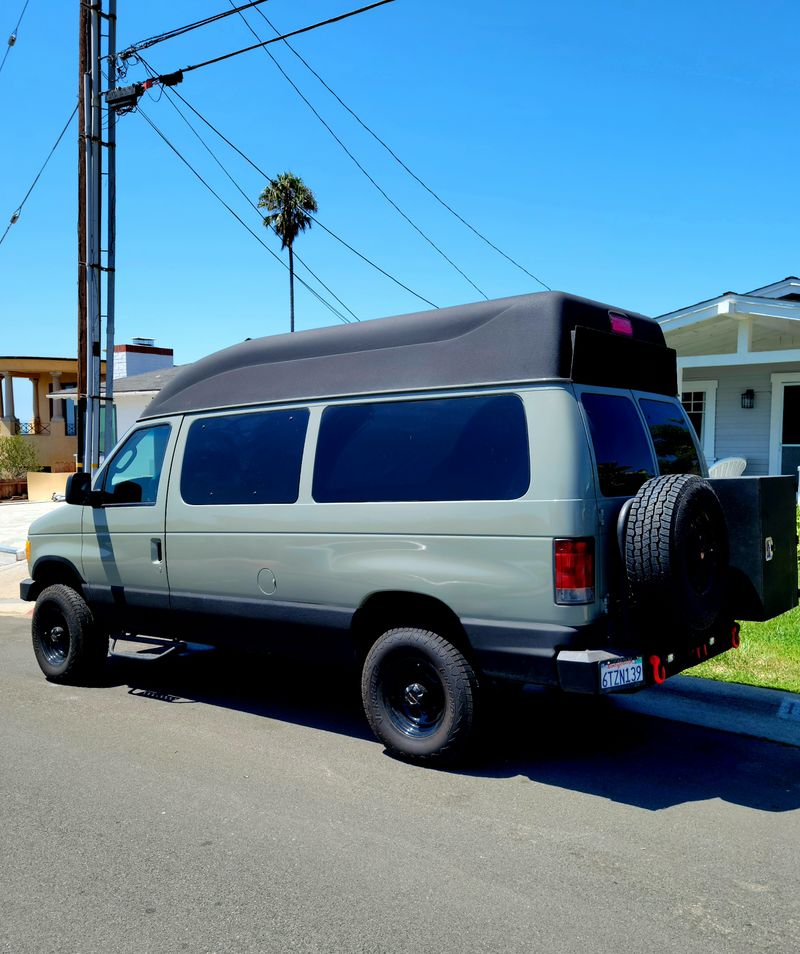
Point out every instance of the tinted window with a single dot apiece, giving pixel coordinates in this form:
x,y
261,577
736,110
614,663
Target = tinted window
x,y
244,458
672,438
473,448
624,461
132,476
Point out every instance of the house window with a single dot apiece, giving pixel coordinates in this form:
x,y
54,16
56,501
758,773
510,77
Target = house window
x,y
694,403
699,400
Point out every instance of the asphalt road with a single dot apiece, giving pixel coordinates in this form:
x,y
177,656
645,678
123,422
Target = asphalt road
x,y
233,805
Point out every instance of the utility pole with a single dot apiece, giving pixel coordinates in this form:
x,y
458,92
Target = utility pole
x,y
83,69
90,234
111,230
94,179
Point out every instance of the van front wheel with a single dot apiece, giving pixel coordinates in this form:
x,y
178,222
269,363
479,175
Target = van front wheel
x,y
419,694
66,641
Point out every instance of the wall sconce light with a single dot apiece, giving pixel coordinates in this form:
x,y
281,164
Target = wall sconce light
x,y
748,398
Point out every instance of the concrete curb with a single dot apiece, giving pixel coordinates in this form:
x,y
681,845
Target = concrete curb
x,y
770,714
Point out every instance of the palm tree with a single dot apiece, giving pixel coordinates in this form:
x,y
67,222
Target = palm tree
x,y
290,203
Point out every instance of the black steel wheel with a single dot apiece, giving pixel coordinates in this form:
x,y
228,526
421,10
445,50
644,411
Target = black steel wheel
x,y
66,641
419,694
676,553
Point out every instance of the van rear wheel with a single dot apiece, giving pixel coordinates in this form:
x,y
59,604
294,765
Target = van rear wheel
x,y
419,694
66,641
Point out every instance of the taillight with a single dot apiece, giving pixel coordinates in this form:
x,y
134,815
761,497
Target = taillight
x,y
574,570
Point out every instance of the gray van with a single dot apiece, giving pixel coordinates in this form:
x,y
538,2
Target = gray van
x,y
503,491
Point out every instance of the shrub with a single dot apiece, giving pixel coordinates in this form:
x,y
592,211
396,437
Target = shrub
x,y
17,457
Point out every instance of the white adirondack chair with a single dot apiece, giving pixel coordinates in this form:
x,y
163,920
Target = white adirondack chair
x,y
728,467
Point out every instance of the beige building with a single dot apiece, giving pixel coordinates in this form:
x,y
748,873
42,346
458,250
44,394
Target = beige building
x,y
51,428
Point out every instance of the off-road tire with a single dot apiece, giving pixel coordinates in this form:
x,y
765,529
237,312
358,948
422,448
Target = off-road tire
x,y
66,641
439,734
676,554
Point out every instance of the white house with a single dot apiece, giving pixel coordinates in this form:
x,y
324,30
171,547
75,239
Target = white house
x,y
140,371
739,374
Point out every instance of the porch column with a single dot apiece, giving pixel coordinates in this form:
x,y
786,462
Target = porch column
x,y
9,416
35,404
56,404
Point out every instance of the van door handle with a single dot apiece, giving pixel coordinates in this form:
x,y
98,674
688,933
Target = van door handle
x,y
155,549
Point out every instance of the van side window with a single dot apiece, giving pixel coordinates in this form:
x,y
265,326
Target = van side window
x,y
133,474
672,438
244,458
624,461
470,448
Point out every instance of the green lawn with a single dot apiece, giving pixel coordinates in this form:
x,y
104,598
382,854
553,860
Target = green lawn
x,y
768,656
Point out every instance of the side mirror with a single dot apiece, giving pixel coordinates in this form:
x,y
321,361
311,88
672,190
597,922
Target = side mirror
x,y
79,487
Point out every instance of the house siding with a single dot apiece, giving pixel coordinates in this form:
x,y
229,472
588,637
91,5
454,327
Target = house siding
x,y
739,432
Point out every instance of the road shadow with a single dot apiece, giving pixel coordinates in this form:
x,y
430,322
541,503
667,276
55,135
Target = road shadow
x,y
584,744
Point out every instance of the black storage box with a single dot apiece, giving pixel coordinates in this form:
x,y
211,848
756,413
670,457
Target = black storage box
x,y
760,513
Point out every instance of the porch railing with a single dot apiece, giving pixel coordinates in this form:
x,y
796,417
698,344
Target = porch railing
x,y
32,427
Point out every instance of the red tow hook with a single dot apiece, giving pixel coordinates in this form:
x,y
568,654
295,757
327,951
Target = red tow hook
x,y
735,641
659,670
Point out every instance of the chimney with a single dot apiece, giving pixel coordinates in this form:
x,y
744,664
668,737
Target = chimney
x,y
140,356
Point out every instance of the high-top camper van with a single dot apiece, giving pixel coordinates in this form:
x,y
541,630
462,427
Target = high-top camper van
x,y
503,491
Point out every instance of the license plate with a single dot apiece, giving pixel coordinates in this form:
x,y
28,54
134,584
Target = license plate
x,y
621,673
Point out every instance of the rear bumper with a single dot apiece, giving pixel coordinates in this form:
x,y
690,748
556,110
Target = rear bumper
x,y
581,671
569,658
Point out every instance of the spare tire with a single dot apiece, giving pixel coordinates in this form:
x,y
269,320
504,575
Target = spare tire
x,y
676,553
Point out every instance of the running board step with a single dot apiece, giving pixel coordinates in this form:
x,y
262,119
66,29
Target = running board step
x,y
166,647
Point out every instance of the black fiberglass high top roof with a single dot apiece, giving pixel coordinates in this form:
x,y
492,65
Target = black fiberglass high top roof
x,y
506,341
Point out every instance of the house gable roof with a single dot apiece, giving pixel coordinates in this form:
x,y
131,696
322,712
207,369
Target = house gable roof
x,y
752,327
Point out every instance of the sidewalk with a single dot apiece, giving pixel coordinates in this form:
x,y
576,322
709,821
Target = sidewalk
x,y
11,575
15,518
743,710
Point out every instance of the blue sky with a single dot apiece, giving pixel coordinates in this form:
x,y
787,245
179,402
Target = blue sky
x,y
640,154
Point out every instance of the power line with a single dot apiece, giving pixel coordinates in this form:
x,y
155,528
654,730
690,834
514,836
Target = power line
x,y
179,31
386,196
13,38
262,173
241,221
305,29
245,196
392,153
16,214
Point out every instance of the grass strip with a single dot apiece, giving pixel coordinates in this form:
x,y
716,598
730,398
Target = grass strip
x,y
769,656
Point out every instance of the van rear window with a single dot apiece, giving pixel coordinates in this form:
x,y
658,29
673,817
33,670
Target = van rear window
x,y
624,460
470,448
672,437
244,458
